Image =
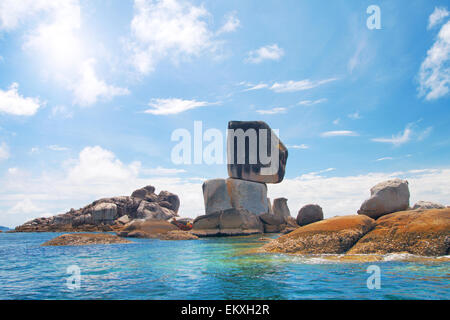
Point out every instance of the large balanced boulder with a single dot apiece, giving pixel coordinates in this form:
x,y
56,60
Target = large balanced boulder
x,y
230,222
224,194
420,232
426,205
386,197
309,214
255,153
334,236
81,239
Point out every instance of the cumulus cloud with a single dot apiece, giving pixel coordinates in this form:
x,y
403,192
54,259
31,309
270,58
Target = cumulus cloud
x,y
231,24
434,73
293,86
174,106
438,15
272,111
339,133
89,88
4,151
12,102
343,195
269,52
172,28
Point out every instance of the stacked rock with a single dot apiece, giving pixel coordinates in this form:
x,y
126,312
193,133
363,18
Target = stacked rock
x,y
239,205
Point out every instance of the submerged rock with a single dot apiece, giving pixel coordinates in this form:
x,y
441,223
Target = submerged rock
x,y
230,222
146,229
334,235
245,159
417,232
178,235
309,214
81,239
386,197
423,205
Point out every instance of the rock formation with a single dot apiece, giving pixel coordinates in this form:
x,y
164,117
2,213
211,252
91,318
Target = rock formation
x,y
82,239
110,214
309,214
422,205
424,232
386,197
248,161
335,235
239,205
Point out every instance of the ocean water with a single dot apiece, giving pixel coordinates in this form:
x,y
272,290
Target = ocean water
x,y
214,268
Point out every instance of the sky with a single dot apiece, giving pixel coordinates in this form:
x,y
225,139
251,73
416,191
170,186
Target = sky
x,y
92,91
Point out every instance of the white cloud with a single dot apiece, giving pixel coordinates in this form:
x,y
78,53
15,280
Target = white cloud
x,y
424,134
4,151
438,15
292,86
160,171
258,86
301,146
61,111
336,121
354,116
272,111
434,74
269,52
344,195
312,102
231,24
12,102
88,89
25,206
384,159
174,106
168,28
398,139
339,133
55,147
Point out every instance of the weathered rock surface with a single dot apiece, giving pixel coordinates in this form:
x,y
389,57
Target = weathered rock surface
x,y
309,214
426,205
81,239
244,158
417,232
280,207
230,222
335,235
386,197
224,194
146,229
107,214
178,235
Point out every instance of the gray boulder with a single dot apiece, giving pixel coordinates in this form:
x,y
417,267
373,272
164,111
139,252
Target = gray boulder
x,y
104,213
230,222
221,195
424,205
309,214
169,200
247,160
153,211
386,197
280,207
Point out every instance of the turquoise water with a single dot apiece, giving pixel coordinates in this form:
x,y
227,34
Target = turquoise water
x,y
215,268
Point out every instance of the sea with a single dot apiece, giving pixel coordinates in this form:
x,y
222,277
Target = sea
x,y
209,268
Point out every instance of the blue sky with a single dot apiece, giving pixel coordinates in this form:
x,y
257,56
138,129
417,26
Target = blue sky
x,y
91,91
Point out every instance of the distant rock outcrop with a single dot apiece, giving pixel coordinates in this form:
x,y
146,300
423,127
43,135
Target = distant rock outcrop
x,y
146,228
109,214
386,197
423,205
309,214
